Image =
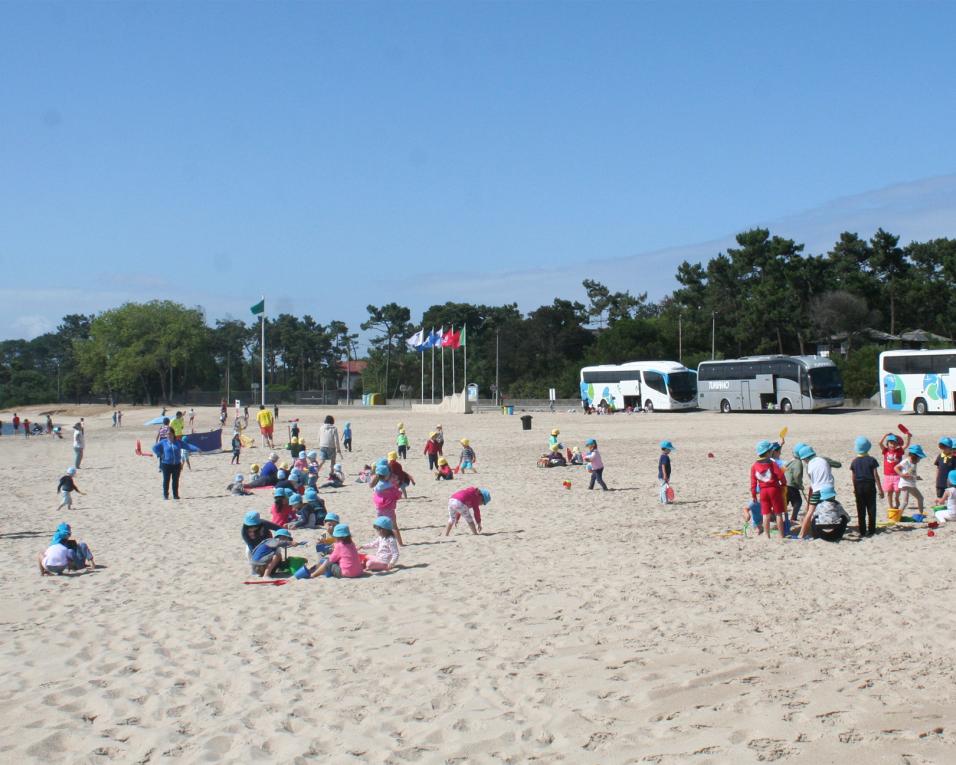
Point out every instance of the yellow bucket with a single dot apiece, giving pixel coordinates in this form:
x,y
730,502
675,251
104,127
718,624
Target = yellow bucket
x,y
894,514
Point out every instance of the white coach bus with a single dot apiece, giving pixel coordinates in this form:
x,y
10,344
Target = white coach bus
x,y
647,385
918,381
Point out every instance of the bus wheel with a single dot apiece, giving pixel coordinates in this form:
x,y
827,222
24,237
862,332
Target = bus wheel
x,y
725,406
786,406
648,406
919,406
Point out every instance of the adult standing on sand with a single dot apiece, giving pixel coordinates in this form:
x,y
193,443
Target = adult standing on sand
x,y
328,443
170,456
79,443
266,424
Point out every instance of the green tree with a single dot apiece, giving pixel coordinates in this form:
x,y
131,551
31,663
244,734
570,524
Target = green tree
x,y
392,323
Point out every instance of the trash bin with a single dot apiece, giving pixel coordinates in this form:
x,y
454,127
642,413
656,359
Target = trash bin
x,y
511,409
526,422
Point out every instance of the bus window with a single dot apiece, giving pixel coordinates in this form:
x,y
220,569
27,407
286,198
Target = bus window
x,y
682,386
825,382
804,384
655,381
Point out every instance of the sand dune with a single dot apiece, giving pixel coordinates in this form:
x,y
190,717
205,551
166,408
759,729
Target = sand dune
x,y
583,627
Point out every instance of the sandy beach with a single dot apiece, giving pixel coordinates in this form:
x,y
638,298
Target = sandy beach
x,y
582,627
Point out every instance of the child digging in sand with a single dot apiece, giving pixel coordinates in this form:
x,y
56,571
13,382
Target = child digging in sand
x,y
467,504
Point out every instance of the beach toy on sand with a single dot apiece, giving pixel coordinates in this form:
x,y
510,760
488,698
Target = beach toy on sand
x,y
783,432
710,455
669,494
566,484
918,518
893,515
139,450
275,582
931,533
302,573
903,429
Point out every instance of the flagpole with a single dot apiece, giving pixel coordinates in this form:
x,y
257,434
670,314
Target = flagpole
x,y
453,389
421,354
443,364
262,347
433,371
465,333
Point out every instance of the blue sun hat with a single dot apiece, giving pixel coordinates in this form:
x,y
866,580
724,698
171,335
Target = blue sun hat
x,y
341,531
71,471
917,451
383,523
252,518
238,478
775,446
296,475
334,517
862,445
827,493
382,470
952,477
281,475
284,533
797,447
63,527
60,536
590,442
485,496
280,492
946,441
668,445
762,448
807,452
348,424
295,499
310,495
382,461
312,455
892,437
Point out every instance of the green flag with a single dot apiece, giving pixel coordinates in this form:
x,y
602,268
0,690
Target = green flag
x,y
259,307
464,332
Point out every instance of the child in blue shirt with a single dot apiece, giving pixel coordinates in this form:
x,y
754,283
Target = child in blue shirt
x,y
347,437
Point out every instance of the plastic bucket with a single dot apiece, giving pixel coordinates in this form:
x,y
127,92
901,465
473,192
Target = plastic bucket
x,y
511,409
302,573
894,514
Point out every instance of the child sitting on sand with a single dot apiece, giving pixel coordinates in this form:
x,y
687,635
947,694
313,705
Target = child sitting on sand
x,y
255,530
365,474
336,479
467,458
444,472
907,471
466,504
595,464
269,553
576,457
282,514
66,487
385,546
345,560
948,515
65,554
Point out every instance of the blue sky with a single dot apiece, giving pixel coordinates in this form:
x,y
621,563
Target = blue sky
x,y
331,155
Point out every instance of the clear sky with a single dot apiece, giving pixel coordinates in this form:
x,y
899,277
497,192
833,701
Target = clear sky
x,y
329,155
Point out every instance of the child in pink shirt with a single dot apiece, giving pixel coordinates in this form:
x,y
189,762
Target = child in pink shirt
x,y
467,503
385,497
345,560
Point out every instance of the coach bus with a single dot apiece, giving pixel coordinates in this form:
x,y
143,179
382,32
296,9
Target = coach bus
x,y
918,381
754,383
647,385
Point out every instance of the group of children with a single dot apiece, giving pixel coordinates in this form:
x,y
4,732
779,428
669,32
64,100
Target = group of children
x,y
775,484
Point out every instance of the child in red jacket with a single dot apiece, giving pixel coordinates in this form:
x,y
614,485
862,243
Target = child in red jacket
x,y
768,475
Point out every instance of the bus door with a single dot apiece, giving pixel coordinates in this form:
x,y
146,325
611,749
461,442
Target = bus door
x,y
743,401
766,388
806,398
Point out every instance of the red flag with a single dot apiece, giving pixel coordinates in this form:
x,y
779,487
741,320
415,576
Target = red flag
x,y
448,339
455,341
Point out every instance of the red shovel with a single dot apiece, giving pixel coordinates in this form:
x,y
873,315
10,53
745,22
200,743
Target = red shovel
x,y
273,582
904,430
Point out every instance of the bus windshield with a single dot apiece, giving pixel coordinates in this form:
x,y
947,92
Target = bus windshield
x,y
826,382
682,386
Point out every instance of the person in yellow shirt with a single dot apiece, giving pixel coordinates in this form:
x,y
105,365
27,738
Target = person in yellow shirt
x,y
266,424
178,425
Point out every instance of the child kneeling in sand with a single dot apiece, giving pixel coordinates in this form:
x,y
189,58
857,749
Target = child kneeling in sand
x,y
829,519
385,546
65,554
270,553
444,472
467,504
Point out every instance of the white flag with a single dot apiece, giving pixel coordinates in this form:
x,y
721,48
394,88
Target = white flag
x,y
415,341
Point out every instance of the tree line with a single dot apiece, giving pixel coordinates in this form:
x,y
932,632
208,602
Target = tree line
x,y
764,295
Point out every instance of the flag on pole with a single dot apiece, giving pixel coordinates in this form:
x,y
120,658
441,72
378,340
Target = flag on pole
x,y
415,342
449,339
460,338
259,307
434,339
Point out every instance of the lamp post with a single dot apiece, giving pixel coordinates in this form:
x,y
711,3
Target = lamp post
x,y
713,335
680,337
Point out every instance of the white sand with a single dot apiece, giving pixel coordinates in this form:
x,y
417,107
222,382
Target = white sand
x,y
583,627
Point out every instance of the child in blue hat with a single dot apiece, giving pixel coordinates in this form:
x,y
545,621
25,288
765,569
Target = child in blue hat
x,y
66,487
894,451
595,464
345,560
282,514
386,548
945,461
664,470
828,517
866,482
269,553
767,476
907,470
256,530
